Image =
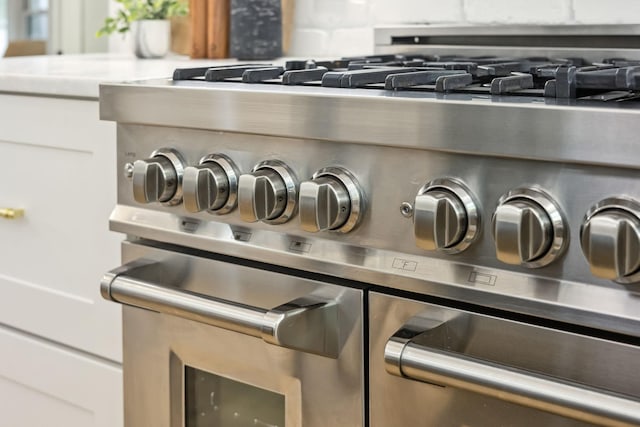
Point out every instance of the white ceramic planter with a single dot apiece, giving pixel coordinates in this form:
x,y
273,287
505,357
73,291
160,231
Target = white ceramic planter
x,y
151,38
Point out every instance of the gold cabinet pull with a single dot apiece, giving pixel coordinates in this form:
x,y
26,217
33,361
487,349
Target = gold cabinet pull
x,y
11,213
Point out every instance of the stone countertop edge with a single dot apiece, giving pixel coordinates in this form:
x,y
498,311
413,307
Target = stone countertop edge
x,y
79,76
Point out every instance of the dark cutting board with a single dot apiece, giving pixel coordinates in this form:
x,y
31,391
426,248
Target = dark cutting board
x,y
256,29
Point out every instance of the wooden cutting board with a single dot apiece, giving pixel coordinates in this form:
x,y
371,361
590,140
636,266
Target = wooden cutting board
x,y
217,29
205,32
198,13
288,10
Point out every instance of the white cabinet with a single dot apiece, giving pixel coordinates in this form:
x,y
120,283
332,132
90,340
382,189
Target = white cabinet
x,y
46,385
57,162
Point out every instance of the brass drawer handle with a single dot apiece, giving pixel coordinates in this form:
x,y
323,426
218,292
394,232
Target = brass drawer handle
x,y
11,213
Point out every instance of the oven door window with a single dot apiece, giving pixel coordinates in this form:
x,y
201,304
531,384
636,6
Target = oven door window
x,y
215,401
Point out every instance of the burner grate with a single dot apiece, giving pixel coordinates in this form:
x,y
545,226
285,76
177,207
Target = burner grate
x,y
535,76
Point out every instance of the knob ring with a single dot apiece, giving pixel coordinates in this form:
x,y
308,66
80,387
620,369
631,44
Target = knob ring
x,y
559,229
355,195
232,172
623,203
291,184
177,161
471,206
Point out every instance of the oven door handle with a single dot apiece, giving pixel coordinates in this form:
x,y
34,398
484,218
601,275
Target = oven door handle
x,y
407,359
308,324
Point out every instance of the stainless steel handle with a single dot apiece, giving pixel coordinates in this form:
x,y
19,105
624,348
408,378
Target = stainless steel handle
x,y
405,358
307,324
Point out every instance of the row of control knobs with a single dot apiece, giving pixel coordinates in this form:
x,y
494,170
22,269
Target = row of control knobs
x,y
331,200
528,226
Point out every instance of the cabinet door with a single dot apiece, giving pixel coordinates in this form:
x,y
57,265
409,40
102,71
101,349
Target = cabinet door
x,y
46,385
58,164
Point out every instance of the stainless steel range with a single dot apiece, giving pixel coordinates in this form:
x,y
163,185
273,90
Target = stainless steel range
x,y
437,235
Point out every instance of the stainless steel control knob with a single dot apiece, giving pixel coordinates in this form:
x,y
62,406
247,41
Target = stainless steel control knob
x,y
158,178
331,200
267,194
445,216
210,186
528,228
610,239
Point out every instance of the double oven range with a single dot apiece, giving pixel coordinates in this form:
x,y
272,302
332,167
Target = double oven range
x,y
417,238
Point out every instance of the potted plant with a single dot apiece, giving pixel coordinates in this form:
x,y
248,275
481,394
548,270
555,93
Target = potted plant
x,y
148,21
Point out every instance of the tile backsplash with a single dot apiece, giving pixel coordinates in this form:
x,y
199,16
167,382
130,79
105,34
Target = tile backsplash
x,y
345,27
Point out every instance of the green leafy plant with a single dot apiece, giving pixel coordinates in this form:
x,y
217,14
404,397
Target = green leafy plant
x,y
135,10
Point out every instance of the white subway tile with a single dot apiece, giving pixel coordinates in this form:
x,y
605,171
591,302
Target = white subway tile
x,y
518,11
352,41
309,43
607,12
334,14
416,11
303,13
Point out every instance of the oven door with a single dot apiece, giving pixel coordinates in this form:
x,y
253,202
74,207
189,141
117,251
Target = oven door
x,y
208,342
435,366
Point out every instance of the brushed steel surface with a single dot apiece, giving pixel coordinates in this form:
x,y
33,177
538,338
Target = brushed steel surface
x,y
589,379
385,32
518,127
591,42
434,365
157,346
382,248
306,324
610,239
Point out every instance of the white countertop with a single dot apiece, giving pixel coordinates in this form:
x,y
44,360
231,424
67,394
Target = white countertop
x,y
80,75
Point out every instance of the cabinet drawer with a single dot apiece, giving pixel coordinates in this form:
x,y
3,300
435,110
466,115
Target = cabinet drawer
x,y
43,384
62,173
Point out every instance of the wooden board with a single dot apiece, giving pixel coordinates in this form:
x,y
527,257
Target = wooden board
x,y
217,29
288,10
198,13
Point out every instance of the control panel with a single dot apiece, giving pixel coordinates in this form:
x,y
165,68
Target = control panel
x,y
525,226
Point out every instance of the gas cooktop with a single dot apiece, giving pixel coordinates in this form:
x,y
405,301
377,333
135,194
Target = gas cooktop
x,y
612,79
558,65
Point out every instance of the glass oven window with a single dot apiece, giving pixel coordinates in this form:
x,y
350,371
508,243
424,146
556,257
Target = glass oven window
x,y
215,401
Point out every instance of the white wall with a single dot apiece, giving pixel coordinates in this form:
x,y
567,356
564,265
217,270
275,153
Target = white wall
x,y
344,27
